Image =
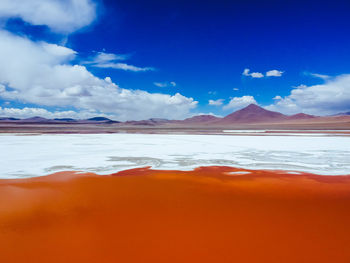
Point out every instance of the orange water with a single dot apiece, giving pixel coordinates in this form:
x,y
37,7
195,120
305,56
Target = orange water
x,y
205,215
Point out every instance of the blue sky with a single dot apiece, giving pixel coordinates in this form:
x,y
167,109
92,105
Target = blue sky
x,y
173,59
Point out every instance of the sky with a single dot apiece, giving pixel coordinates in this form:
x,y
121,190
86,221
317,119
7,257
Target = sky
x,y
134,59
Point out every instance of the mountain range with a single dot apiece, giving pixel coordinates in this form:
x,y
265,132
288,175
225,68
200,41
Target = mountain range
x,y
41,120
252,114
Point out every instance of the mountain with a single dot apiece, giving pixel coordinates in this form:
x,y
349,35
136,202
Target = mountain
x,y
149,122
65,120
8,119
41,120
342,114
101,120
251,114
159,120
199,119
301,116
35,119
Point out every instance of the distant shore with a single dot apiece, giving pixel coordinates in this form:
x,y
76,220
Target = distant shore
x,y
342,128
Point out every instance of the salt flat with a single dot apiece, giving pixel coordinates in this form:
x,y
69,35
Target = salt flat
x,y
37,155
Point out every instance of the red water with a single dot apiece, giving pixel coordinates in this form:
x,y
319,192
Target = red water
x,y
205,215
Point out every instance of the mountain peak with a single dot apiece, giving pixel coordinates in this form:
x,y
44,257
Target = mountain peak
x,y
35,119
253,106
253,113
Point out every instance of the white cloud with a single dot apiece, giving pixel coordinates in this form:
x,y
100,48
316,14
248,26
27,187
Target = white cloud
x,y
63,16
235,89
270,73
237,103
58,51
108,60
329,98
274,73
218,102
2,88
28,112
205,113
103,57
256,75
108,79
247,73
124,66
164,84
277,97
316,75
40,73
160,84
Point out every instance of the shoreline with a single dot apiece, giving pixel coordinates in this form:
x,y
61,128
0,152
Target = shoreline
x,y
28,156
181,131
224,170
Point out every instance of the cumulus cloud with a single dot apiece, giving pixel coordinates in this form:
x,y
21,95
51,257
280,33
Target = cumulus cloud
x,y
41,73
63,16
218,102
237,103
270,73
165,84
256,75
110,60
28,112
329,98
274,73
247,73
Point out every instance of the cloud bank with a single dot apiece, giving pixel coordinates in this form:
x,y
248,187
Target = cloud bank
x,y
38,73
329,98
28,112
42,73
